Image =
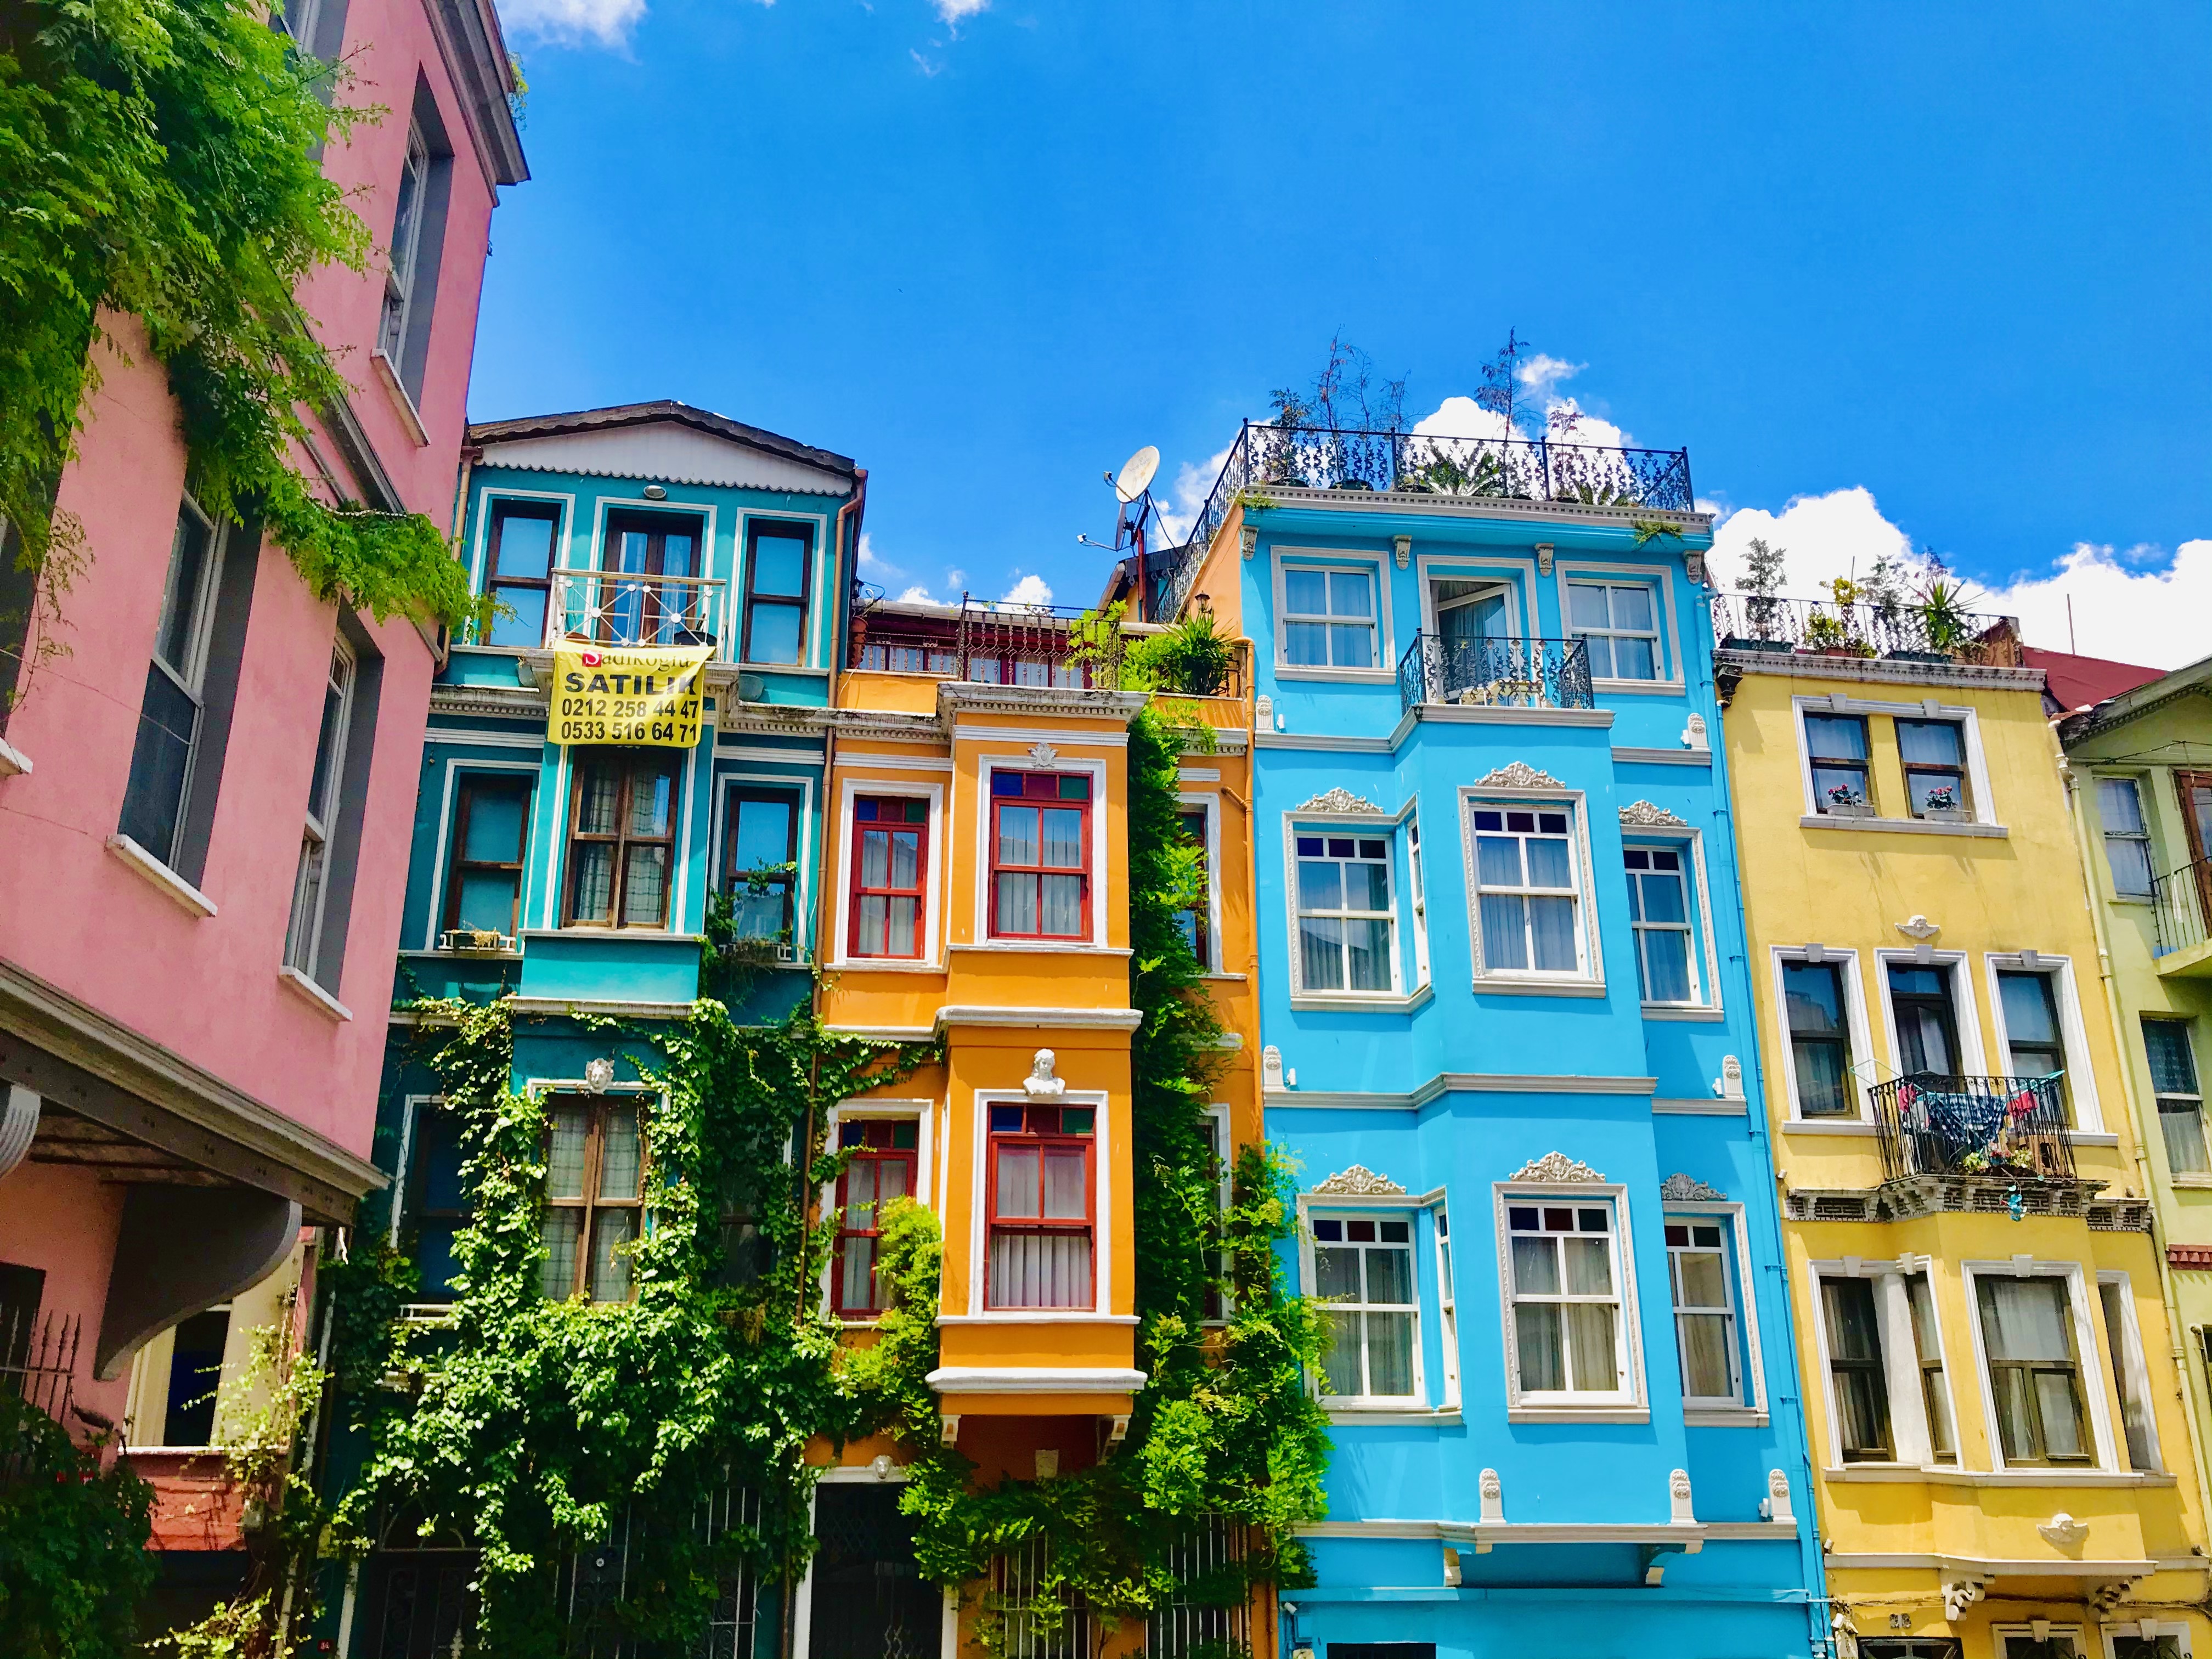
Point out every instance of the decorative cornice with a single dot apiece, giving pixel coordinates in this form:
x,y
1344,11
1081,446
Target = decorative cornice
x,y
1339,800
1878,670
1642,814
1679,1188
1359,1182
1558,1167
1519,775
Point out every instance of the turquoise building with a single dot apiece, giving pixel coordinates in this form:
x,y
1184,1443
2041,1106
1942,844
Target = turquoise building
x,y
1508,1036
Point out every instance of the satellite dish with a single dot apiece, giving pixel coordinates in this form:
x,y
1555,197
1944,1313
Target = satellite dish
x,y
1137,472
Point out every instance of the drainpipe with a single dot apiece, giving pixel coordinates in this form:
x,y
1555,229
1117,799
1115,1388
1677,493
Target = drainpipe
x,y
857,506
2078,811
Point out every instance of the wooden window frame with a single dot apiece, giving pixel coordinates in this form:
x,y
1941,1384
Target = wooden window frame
x,y
868,1151
311,877
2139,836
856,945
459,864
733,804
1958,773
655,623
1840,1367
802,603
621,840
1039,870
2070,1367
1816,762
993,1225
2195,1101
596,1110
1945,1007
1842,1041
2186,784
429,1113
502,509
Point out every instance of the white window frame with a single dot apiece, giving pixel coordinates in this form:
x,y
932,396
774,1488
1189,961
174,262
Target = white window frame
x,y
2073,1033
987,768
1211,805
1900,1359
1409,1210
1749,1408
2127,1348
2095,1393
2001,1635
1390,826
2141,783
1983,801
808,856
1370,564
1847,960
932,960
1447,1301
2180,1177
190,676
2112,1634
303,936
1517,576
402,275
863,1110
1974,1057
1101,1310
1667,644
1706,1003
1666,635
1220,1115
1631,1402
1589,978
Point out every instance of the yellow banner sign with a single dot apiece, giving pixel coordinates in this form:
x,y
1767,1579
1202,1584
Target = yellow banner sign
x,y
646,696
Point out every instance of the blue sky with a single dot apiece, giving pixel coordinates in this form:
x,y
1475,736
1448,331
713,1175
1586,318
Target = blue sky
x,y
1936,276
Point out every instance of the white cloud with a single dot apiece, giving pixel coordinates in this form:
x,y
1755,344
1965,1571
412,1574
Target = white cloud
x,y
917,594
1193,483
873,565
1461,418
2135,606
1542,373
933,70
955,12
1031,589
571,23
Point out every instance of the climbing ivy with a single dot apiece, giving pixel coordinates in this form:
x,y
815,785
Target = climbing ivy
x,y
543,1425
73,1524
161,163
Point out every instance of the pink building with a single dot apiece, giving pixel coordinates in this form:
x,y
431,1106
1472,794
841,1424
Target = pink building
x,y
205,805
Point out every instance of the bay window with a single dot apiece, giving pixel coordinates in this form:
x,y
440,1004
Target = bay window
x,y
1363,1269
880,1166
2034,1368
622,837
1563,1281
1661,914
1528,889
1927,1346
1857,1383
1043,1209
890,859
594,1197
1704,1309
1040,855
1347,927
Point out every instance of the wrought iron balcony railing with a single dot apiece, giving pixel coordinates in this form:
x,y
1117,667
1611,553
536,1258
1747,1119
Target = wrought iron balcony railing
x,y
1907,631
613,608
2180,901
1010,645
1495,673
1265,457
1967,1126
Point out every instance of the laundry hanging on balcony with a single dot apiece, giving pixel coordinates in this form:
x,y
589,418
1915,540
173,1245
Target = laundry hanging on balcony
x,y
637,696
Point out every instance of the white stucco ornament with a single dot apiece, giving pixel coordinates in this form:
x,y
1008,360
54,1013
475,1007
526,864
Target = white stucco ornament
x,y
1493,1496
1919,927
1340,800
1642,814
1728,1085
2063,1532
1558,1167
1042,1080
1694,733
1042,754
597,1075
1359,1182
1777,1506
1679,1188
1519,775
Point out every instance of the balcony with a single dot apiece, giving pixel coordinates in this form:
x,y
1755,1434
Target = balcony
x,y
1424,464
1903,632
1007,645
2180,901
2007,1127
612,608
1494,673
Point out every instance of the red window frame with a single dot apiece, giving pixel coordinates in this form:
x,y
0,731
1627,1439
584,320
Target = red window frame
x,y
1042,790
903,807
872,1142
1034,1125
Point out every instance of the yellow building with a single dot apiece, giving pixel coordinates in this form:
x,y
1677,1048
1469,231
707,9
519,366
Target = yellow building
x,y
2001,1465
976,889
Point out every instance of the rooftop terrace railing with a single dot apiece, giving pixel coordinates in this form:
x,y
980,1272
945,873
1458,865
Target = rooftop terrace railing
x,y
1907,631
1266,457
1942,1125
1009,644
2180,901
1495,673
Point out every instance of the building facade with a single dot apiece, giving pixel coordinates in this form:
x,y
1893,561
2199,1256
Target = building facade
x,y
2004,1466
207,803
1506,1032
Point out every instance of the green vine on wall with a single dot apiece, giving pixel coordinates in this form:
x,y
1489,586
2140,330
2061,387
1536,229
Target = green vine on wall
x,y
73,1523
162,161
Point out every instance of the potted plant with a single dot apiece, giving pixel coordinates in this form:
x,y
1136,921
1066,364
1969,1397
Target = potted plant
x,y
1945,622
1841,801
1761,586
1940,804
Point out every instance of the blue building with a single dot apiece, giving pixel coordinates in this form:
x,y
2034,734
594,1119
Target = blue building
x,y
577,880
1505,1017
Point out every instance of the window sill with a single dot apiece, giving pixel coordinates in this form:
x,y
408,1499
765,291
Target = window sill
x,y
1497,984
1392,1416
2143,899
306,989
782,668
1218,974
1036,1316
388,371
1950,1474
1578,1415
589,930
1848,1126
1723,1417
888,965
1682,1011
2191,1183
1378,1003
14,763
172,885
1902,826
1045,947
1352,676
1647,688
